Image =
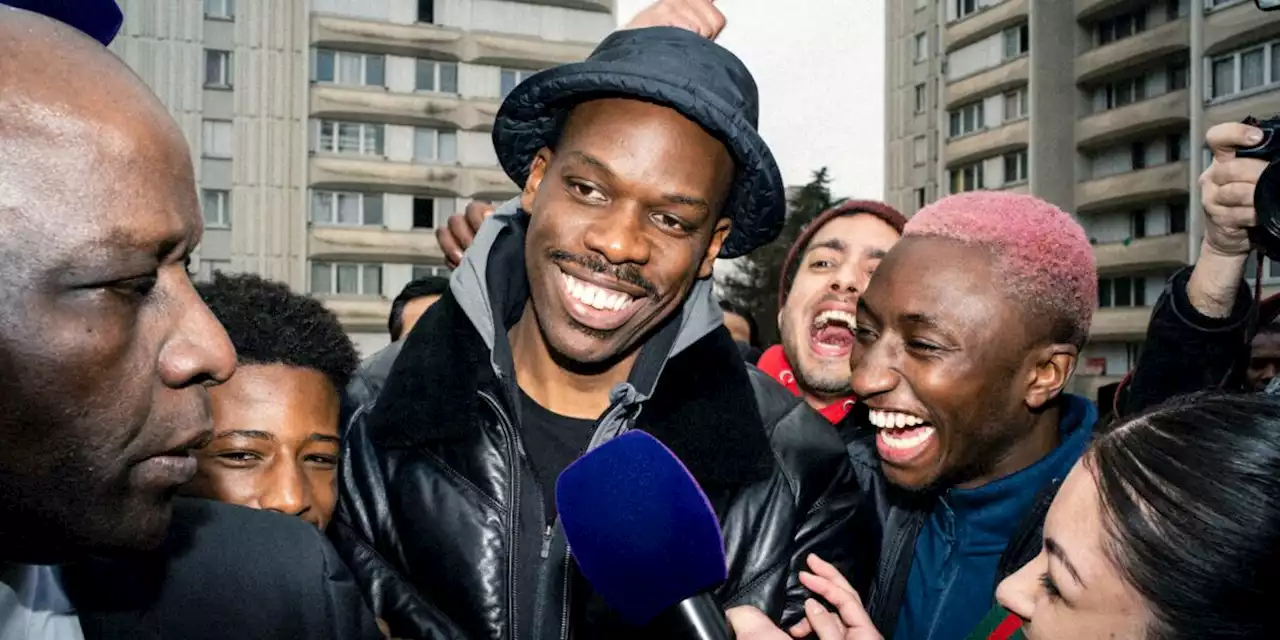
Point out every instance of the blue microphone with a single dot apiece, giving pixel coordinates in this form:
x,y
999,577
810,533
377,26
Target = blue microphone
x,y
100,19
645,536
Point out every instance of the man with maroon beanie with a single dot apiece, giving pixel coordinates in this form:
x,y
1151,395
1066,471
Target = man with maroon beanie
x,y
826,270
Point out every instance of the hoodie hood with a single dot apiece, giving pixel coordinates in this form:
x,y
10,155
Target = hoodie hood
x,y
491,284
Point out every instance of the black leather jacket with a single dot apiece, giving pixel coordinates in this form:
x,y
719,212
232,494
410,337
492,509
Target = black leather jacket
x,y
441,518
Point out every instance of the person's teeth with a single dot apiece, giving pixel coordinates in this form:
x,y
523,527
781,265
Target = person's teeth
x,y
892,419
595,297
906,439
834,315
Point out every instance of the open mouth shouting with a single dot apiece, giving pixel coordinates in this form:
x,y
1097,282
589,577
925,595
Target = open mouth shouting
x,y
901,437
598,302
831,334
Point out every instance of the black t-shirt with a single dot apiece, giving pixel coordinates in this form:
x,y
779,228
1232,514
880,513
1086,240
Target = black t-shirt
x,y
552,443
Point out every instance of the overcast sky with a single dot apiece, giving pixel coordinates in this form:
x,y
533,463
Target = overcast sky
x,y
820,68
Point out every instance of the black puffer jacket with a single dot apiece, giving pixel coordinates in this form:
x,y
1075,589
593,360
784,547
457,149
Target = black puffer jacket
x,y
441,518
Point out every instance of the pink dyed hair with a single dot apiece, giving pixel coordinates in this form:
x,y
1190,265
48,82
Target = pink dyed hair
x,y
1042,255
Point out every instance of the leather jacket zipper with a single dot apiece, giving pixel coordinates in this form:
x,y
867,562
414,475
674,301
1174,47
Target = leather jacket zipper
x,y
514,465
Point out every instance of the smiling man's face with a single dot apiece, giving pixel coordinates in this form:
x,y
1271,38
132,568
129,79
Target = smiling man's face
x,y
624,218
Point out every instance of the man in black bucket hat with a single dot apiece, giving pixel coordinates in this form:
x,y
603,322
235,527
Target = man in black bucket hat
x,y
584,309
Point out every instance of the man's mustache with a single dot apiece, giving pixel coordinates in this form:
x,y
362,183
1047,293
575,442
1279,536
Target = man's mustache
x,y
629,274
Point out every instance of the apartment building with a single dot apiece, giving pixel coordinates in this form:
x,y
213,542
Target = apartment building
x,y
331,137
1099,106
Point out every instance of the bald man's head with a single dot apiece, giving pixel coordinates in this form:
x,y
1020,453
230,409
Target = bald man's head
x,y
105,347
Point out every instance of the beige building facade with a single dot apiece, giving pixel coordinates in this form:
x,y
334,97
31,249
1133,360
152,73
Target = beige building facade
x,y
1099,106
331,137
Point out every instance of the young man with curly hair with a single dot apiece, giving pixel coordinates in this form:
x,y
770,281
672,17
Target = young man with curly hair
x,y
275,439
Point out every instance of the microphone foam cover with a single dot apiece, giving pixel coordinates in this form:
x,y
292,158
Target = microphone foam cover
x,y
640,528
100,19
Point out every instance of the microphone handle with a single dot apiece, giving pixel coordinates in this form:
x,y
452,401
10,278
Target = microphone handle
x,y
701,618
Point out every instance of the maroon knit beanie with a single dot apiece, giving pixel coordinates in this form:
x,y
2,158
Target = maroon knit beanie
x,y
888,214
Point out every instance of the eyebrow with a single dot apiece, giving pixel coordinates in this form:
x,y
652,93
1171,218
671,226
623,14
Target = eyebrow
x,y
247,433
320,437
834,244
876,253
920,319
1054,549
671,198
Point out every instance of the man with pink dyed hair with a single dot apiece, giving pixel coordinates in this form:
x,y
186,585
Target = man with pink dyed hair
x,y
966,339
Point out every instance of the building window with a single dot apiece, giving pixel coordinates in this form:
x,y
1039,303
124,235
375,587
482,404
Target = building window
x,y
361,138
967,119
921,47
217,138
421,271
1015,104
431,213
217,69
1177,147
216,204
1015,167
343,67
345,208
1121,26
920,150
1122,292
1245,71
220,9
1016,40
920,198
440,77
509,78
1178,75
1120,93
210,267
434,145
965,8
1138,155
922,98
968,178
1177,217
427,11
1138,224
346,278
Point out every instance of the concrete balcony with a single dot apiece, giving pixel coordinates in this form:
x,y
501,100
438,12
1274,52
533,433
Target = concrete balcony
x,y
1121,55
1087,9
484,183
984,23
359,313
990,142
1155,183
1238,25
1168,110
1233,109
445,43
1122,323
414,109
1160,252
1011,74
598,6
372,244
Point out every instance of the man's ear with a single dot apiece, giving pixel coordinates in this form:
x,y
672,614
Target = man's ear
x,y
537,171
718,234
1051,369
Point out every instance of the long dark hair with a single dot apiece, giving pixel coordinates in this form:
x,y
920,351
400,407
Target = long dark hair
x,y
1191,501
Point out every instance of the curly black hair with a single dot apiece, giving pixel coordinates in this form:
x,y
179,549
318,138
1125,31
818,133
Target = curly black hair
x,y
270,324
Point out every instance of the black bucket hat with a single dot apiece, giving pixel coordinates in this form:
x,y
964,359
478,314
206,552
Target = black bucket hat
x,y
675,68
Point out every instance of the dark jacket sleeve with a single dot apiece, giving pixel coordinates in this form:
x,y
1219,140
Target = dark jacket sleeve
x,y
834,516
363,532
1186,351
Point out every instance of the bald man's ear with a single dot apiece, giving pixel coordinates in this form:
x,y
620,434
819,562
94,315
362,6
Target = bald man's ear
x,y
718,234
1051,369
537,171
